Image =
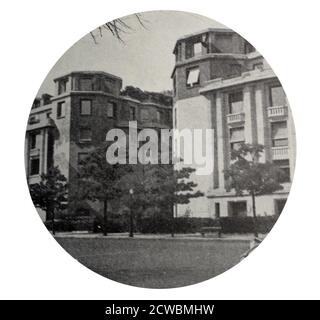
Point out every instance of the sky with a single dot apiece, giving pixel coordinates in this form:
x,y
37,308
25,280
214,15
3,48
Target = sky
x,y
144,60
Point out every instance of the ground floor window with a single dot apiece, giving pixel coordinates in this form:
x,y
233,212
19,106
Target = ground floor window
x,y
279,205
217,209
284,165
237,208
34,166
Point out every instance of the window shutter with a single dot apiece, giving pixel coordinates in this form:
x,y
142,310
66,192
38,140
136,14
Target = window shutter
x,y
193,77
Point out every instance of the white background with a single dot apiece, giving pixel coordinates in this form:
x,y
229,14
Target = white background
x,y
34,34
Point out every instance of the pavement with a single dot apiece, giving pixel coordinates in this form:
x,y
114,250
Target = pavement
x,y
191,236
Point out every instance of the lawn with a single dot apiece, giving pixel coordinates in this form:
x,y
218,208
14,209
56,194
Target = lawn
x,y
155,263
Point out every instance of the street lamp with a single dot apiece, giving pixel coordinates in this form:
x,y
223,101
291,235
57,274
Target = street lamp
x,y
131,214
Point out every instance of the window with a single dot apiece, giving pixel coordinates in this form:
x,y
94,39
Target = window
x,y
82,156
111,109
248,47
197,48
234,70
175,118
85,107
237,134
279,134
236,102
86,84
217,209
62,86
193,76
257,66
284,165
236,145
33,140
85,134
36,103
174,85
132,113
277,96
158,115
279,205
34,119
223,43
108,85
61,109
144,115
34,166
178,52
237,208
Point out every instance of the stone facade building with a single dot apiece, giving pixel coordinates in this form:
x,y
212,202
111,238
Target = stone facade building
x,y
62,129
221,82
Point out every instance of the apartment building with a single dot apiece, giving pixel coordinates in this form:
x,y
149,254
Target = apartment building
x,y
221,82
62,129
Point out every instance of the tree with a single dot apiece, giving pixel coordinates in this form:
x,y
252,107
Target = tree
x,y
249,176
170,187
50,194
118,27
157,186
98,180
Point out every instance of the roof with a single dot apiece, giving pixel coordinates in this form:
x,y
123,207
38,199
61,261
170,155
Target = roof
x,y
90,72
211,30
246,77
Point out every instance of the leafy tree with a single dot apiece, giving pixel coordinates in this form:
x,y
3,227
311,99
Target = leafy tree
x,y
169,187
249,176
98,180
157,186
50,194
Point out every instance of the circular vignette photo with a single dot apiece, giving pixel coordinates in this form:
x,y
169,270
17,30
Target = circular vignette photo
x,y
160,149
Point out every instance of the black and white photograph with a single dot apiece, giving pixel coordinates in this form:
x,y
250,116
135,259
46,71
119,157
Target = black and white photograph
x,y
159,158
166,175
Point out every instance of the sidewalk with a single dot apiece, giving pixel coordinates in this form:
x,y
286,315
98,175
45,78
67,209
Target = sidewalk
x,y
191,236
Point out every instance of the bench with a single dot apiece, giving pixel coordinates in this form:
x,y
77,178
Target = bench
x,y
205,230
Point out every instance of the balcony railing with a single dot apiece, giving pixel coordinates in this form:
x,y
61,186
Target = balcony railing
x,y
280,153
235,117
278,111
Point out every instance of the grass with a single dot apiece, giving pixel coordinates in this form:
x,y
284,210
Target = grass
x,y
155,263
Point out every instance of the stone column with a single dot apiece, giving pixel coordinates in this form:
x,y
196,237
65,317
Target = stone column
x,y
248,111
42,151
291,143
220,139
26,154
45,150
261,116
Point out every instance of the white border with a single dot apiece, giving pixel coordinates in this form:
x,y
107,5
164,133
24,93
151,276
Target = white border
x,y
34,34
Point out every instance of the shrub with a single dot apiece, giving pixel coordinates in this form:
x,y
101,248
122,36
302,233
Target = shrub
x,y
77,223
181,224
246,224
160,224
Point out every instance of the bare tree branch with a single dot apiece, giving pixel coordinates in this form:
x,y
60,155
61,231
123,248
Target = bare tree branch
x,y
118,27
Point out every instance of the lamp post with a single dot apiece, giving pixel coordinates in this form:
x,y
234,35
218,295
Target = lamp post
x,y
131,214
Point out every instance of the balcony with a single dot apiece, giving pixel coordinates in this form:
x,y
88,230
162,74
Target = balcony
x,y
280,153
278,111
235,118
